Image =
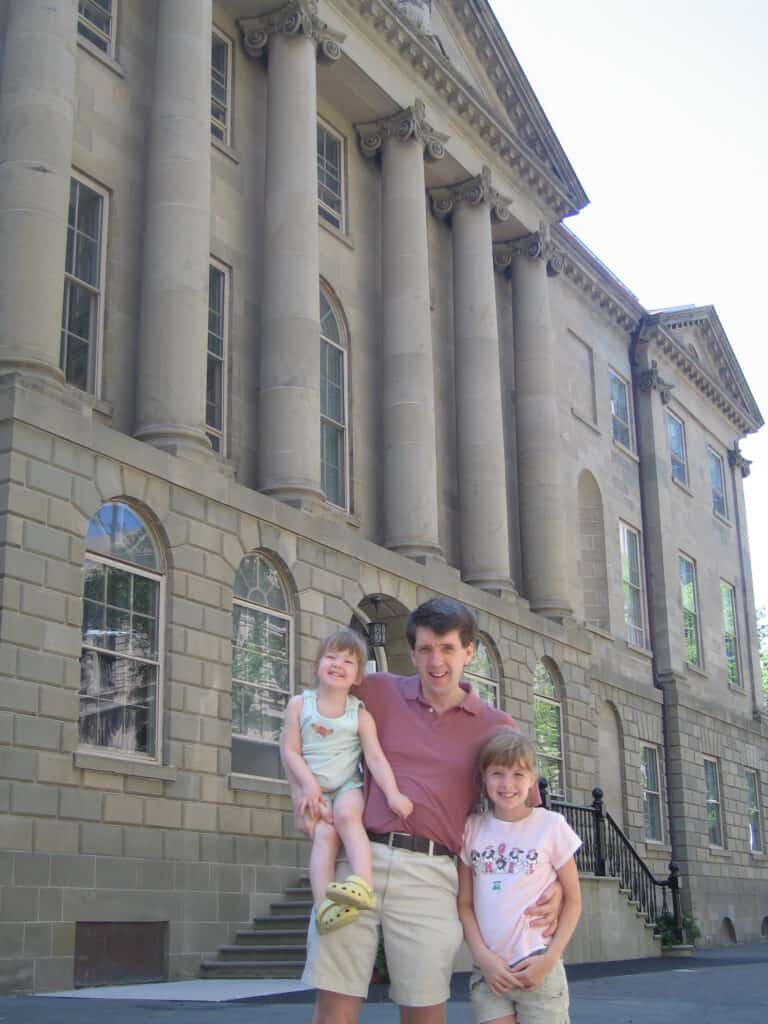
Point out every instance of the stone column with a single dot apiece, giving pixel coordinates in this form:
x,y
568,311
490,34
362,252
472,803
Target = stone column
x,y
289,346
174,301
542,512
408,383
484,523
37,101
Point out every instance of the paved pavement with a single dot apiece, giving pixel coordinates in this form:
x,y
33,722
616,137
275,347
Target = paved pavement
x,y
725,985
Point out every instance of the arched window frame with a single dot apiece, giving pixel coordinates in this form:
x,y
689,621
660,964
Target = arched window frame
x,y
112,562
334,423
546,697
284,615
487,687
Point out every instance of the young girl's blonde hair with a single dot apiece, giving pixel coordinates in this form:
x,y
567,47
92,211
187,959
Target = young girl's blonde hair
x,y
344,640
507,748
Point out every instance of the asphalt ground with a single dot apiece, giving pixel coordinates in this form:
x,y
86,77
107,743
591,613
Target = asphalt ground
x,y
723,985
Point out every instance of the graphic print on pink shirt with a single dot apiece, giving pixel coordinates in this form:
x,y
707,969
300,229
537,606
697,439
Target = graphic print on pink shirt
x,y
512,864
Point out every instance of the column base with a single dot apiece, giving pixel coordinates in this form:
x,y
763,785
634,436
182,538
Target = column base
x,y
30,367
301,496
499,586
554,608
424,554
187,442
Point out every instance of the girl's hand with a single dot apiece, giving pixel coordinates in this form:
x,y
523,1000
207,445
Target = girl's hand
x,y
531,972
401,805
497,973
312,800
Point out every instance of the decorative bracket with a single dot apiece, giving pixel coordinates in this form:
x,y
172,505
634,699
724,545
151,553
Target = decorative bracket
x,y
410,123
651,380
299,17
737,461
474,191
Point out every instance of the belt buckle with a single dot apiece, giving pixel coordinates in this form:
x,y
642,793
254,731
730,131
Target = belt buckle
x,y
391,840
431,848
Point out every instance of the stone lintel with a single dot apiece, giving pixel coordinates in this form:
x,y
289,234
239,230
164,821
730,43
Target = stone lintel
x,y
473,191
410,123
296,18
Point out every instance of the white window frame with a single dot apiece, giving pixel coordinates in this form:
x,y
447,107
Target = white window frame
x,y
95,354
344,427
699,663
89,27
491,684
634,632
212,432
652,795
556,702
678,460
731,636
328,216
754,817
715,802
159,577
714,458
226,124
628,425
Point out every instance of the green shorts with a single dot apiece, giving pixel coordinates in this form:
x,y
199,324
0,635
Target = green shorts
x,y
354,783
545,1004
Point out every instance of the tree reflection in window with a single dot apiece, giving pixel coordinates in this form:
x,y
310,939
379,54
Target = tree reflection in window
x,y
547,713
120,661
482,672
261,667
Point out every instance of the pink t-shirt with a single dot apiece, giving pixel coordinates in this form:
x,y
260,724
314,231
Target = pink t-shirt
x,y
512,863
432,755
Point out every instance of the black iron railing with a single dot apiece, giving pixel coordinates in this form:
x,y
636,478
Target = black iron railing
x,y
606,852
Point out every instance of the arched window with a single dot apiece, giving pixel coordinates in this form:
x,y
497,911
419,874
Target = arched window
x,y
483,673
262,645
548,719
333,406
121,663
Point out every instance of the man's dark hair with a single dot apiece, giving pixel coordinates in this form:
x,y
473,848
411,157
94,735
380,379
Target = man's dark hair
x,y
441,615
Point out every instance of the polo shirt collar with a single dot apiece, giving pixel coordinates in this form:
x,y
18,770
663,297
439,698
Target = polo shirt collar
x,y
471,703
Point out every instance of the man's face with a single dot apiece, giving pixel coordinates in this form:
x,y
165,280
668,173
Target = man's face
x,y
440,660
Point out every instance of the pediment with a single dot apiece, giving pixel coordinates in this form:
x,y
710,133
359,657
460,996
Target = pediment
x,y
699,334
466,55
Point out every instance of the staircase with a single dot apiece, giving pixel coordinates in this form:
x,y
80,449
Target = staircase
x,y
276,945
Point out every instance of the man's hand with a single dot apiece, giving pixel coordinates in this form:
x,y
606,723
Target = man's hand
x,y
497,973
546,910
401,805
531,972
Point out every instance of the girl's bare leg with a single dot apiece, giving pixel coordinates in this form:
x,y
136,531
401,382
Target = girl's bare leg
x,y
348,822
322,859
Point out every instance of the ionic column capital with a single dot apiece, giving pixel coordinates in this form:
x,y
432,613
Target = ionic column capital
x,y
406,125
474,192
296,18
536,246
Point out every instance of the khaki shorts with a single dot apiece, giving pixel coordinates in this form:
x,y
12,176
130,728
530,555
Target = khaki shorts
x,y
545,1004
417,912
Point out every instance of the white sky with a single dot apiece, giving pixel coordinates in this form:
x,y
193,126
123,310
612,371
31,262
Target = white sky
x,y
662,109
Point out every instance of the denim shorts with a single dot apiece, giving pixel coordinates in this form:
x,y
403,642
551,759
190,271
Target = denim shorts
x,y
545,1004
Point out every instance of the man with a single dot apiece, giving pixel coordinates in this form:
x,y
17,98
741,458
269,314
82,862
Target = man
x,y
431,727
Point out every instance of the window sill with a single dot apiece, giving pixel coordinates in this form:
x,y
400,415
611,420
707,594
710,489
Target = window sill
x,y
586,421
225,150
599,631
757,854
337,233
737,690
696,669
625,451
103,58
253,784
720,853
722,519
683,487
645,652
94,761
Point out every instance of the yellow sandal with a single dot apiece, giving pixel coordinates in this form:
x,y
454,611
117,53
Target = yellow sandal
x,y
354,891
331,916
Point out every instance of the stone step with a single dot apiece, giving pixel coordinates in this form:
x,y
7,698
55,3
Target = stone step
x,y
258,954
269,935
303,907
275,928
251,969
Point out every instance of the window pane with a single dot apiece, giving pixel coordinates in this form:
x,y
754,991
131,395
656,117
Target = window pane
x,y
118,703
258,581
620,411
547,719
676,436
753,812
332,463
717,480
117,532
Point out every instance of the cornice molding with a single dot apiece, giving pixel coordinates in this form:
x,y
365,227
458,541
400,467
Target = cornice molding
x,y
473,191
299,17
429,62
405,125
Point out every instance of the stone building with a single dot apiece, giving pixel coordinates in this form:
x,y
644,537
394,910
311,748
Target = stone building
x,y
292,335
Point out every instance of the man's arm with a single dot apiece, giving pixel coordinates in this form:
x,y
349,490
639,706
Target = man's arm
x,y
379,766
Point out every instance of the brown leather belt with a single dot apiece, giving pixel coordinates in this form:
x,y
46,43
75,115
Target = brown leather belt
x,y
405,841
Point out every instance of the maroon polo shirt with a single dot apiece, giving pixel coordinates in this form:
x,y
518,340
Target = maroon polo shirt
x,y
432,755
